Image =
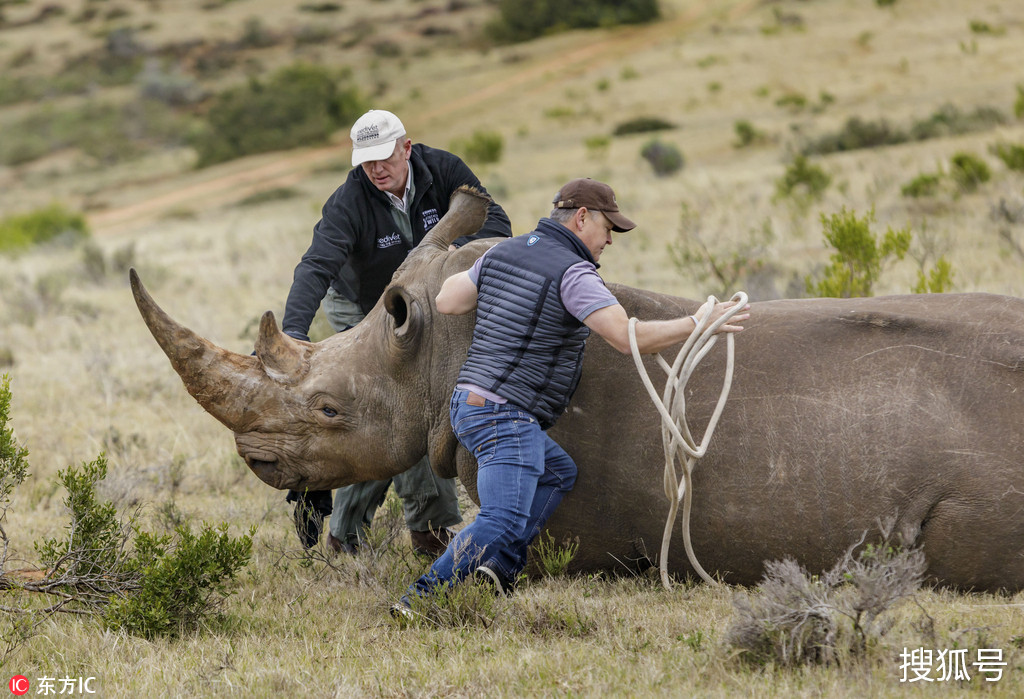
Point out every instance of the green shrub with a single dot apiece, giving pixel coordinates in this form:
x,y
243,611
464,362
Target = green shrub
x,y
802,181
747,135
947,120
969,171
793,101
521,20
938,281
885,3
13,456
855,134
858,255
40,226
482,147
1011,154
553,558
1018,106
182,579
924,185
148,585
104,131
665,158
298,105
597,146
643,124
268,195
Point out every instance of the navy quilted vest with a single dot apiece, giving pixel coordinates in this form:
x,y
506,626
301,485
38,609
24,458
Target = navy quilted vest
x,y
527,348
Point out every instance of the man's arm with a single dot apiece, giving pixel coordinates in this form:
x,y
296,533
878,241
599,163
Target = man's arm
x,y
458,294
653,336
330,249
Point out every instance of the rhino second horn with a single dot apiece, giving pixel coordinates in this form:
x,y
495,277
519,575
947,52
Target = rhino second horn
x,y
283,357
466,215
223,382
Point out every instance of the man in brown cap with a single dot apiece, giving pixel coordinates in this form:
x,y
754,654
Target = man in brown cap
x,y
536,298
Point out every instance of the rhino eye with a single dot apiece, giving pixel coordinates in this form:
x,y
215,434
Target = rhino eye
x,y
329,411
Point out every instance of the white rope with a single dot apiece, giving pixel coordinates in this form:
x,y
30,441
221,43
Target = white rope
x,y
680,446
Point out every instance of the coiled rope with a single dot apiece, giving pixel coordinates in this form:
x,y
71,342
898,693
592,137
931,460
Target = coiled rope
x,y
681,450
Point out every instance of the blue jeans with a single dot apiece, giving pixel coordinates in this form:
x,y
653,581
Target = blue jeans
x,y
521,477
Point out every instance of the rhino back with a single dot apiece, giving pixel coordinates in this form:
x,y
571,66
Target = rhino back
x,y
842,412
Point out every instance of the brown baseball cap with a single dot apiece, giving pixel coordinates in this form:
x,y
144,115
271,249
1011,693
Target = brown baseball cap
x,y
593,195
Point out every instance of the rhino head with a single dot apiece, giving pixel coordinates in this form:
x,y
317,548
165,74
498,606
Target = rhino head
x,y
361,405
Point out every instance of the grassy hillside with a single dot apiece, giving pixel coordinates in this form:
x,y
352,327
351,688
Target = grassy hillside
x,y
217,246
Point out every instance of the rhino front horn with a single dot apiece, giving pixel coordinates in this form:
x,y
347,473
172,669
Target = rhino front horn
x,y
226,384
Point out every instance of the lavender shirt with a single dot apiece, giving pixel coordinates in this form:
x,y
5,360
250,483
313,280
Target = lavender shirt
x,y
583,292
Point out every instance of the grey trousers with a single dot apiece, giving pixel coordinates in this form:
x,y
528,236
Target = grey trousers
x,y
428,501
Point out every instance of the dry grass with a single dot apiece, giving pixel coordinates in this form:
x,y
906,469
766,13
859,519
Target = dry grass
x,y
87,377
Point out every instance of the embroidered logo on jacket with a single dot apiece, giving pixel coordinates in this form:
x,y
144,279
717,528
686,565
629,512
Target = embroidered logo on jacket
x,y
430,219
531,240
388,241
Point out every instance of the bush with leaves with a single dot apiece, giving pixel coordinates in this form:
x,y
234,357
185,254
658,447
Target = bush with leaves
x,y
522,20
665,158
13,462
969,171
483,147
747,134
299,105
41,226
803,182
858,255
719,264
143,583
642,124
945,121
924,185
180,580
1012,155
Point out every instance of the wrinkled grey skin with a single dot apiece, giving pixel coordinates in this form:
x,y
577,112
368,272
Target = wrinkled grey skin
x,y
843,412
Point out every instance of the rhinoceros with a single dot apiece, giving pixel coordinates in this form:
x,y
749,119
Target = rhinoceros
x,y
843,413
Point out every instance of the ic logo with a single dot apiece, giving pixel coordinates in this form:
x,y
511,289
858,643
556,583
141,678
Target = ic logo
x,y
18,685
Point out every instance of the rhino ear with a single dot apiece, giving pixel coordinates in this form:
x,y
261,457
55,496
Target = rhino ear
x,y
407,314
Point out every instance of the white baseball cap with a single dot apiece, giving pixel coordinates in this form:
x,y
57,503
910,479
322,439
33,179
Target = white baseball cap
x,y
374,135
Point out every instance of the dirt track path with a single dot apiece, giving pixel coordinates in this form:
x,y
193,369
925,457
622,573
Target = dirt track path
x,y
242,179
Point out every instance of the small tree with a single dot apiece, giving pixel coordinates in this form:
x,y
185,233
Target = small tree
x,y
483,147
723,265
665,158
858,256
803,181
969,171
146,584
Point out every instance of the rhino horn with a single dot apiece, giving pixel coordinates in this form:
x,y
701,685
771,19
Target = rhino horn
x,y
284,358
467,212
226,384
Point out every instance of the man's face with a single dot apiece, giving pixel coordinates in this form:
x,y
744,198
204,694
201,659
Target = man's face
x,y
389,175
594,230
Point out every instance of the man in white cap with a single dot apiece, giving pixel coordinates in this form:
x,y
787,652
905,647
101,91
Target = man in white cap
x,y
394,194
